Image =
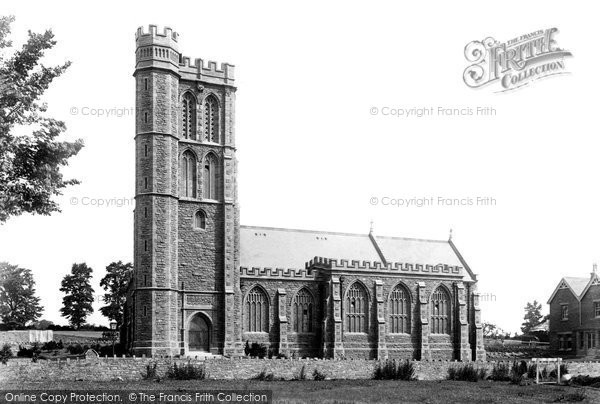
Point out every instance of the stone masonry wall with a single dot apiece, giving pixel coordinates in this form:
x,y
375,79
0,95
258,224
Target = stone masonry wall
x,y
107,369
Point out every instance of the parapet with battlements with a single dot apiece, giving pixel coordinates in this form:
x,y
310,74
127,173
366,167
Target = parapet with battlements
x,y
159,48
344,264
279,273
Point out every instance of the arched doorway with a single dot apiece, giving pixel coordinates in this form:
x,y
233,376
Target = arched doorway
x,y
199,334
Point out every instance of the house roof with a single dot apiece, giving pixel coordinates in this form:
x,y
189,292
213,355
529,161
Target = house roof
x,y
577,285
268,247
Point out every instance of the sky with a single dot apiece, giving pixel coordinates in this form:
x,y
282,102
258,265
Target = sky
x,y
315,148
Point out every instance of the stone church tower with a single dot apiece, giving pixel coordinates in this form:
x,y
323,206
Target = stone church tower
x,y
203,284
185,288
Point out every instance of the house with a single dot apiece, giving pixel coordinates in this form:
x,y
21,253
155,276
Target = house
x,y
575,316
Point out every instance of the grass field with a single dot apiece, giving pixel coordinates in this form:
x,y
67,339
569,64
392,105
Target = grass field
x,y
358,391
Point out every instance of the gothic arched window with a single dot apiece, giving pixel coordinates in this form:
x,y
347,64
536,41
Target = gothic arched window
x,y
440,312
256,311
187,180
211,119
399,311
188,115
200,220
209,177
356,309
302,311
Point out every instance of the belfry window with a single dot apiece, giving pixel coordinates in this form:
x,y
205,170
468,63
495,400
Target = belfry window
x,y
211,119
188,115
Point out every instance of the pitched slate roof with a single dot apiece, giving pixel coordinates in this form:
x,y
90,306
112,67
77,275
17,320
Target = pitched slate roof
x,y
576,285
267,247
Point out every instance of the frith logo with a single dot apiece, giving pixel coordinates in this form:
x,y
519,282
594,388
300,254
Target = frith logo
x,y
515,63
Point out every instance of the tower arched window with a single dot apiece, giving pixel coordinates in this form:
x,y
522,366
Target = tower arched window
x,y
211,119
209,177
440,311
399,311
200,220
302,311
188,115
187,181
356,309
256,311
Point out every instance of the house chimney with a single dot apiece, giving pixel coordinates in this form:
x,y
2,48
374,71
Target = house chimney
x,y
593,273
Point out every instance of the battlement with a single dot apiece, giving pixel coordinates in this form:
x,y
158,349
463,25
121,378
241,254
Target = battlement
x,y
153,32
344,264
167,38
287,273
210,69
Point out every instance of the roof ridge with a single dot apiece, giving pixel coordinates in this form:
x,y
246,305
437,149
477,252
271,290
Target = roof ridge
x,y
342,233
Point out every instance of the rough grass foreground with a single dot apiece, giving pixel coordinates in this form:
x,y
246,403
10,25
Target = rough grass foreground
x,y
359,391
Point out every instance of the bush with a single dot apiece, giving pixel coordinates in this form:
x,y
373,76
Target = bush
x,y
52,346
255,350
32,352
302,375
5,353
150,372
517,371
318,375
76,349
390,370
265,376
467,373
563,371
500,372
585,380
186,372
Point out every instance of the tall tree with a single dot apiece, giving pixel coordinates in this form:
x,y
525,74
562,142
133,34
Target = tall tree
x,y
115,284
79,295
18,303
533,316
30,154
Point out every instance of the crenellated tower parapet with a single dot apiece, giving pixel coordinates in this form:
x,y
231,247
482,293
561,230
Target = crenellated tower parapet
x,y
207,71
155,49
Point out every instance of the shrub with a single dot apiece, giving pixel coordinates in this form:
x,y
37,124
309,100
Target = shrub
x,y
76,349
51,346
406,371
150,373
500,372
517,371
255,350
563,371
585,380
466,372
390,370
5,353
264,375
186,372
32,352
302,375
319,376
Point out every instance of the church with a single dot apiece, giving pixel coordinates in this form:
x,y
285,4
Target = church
x,y
205,285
